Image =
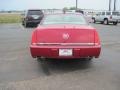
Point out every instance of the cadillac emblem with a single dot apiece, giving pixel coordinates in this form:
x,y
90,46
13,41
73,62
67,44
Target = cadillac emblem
x,y
65,36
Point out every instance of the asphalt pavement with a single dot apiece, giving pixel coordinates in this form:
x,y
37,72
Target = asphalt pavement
x,y
19,71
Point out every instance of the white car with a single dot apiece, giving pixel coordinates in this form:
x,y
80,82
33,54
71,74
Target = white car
x,y
107,17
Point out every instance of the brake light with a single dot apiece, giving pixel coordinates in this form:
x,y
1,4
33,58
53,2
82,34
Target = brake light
x,y
34,38
96,38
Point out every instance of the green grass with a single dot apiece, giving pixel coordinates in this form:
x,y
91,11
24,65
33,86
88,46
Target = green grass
x,y
10,18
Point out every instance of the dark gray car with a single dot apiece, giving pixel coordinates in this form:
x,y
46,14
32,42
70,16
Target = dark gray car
x,y
32,17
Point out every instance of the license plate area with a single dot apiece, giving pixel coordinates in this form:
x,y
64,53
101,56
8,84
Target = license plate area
x,y
65,52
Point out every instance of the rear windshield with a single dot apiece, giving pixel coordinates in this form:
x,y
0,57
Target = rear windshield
x,y
34,12
64,19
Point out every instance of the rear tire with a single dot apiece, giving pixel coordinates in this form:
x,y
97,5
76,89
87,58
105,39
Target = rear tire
x,y
115,23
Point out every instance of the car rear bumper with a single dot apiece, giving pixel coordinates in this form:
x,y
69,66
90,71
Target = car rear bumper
x,y
53,51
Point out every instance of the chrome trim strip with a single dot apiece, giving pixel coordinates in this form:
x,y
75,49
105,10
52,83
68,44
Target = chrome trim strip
x,y
65,44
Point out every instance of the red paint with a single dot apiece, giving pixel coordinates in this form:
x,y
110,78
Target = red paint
x,y
54,34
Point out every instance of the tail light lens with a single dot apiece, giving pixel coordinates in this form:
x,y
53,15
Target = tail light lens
x,y
97,40
34,38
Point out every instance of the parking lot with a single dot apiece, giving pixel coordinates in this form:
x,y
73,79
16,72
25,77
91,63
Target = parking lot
x,y
19,71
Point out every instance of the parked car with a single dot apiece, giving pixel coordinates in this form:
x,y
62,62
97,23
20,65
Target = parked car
x,y
65,36
107,17
33,16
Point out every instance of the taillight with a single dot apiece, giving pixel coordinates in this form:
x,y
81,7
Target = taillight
x,y
110,17
34,38
96,37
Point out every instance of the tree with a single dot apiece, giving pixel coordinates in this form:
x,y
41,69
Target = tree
x,y
65,8
72,8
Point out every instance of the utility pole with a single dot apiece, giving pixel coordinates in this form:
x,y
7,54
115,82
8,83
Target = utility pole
x,y
76,4
109,5
114,5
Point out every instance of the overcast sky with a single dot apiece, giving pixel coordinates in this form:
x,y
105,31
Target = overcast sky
x,y
43,4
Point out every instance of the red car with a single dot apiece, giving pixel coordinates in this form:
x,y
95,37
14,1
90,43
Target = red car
x,y
65,36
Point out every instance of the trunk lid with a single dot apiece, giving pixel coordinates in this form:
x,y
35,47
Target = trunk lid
x,y
71,34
